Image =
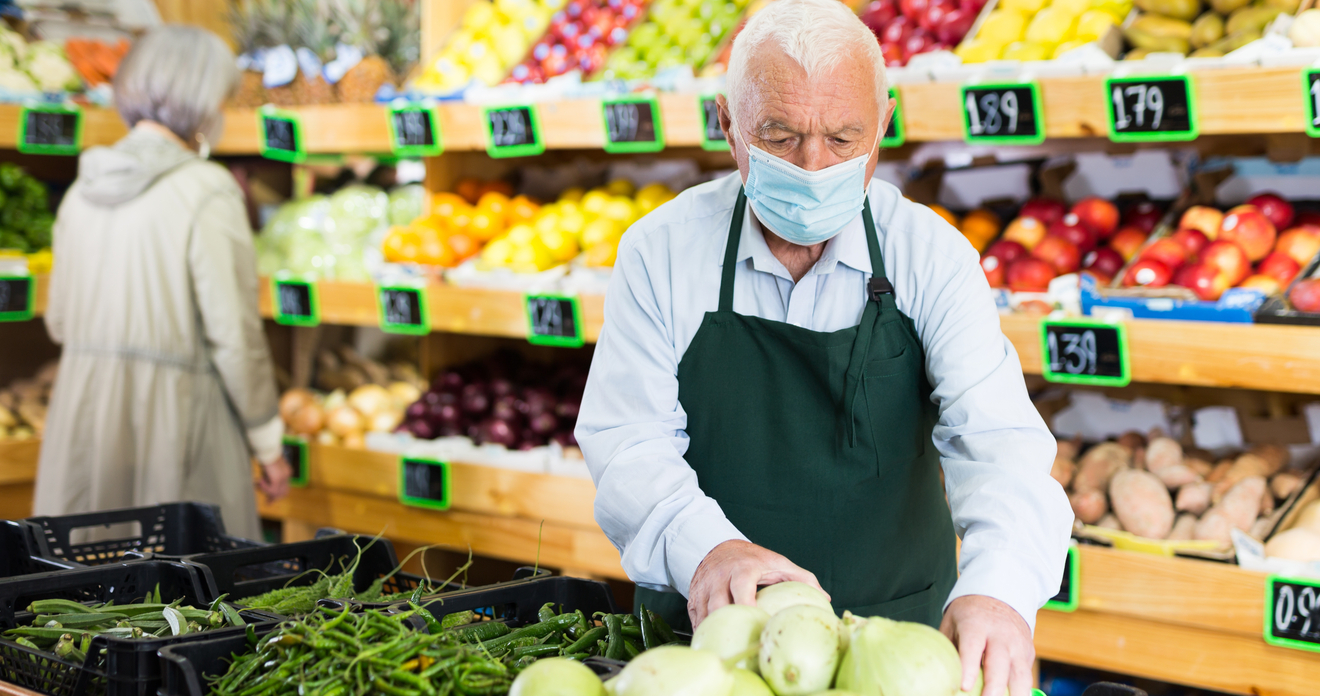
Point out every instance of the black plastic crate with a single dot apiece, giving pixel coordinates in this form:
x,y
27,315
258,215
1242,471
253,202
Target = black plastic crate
x,y
171,530
18,551
114,666
516,602
185,666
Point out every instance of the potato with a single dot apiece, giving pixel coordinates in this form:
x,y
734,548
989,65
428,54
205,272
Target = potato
x,y
1176,476
1183,528
1276,456
1200,466
1132,439
1110,522
1194,498
1068,449
1142,503
1296,544
1214,526
1063,470
1241,505
1163,452
1244,467
1285,484
1089,506
1218,473
1099,464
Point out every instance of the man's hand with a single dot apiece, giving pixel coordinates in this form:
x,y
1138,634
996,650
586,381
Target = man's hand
x,y
275,479
732,571
990,633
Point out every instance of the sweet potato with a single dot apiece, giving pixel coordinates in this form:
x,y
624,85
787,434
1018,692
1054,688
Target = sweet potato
x,y
1241,505
1276,456
1218,473
1063,470
1069,448
1194,498
1244,467
1099,464
1285,483
1163,452
1089,506
1132,439
1200,466
1214,526
1142,503
1110,522
1183,528
1176,476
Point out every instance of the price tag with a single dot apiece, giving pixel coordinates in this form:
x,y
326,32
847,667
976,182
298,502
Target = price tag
x,y
403,310
1292,613
1311,93
281,136
895,135
1069,590
712,135
50,130
632,124
295,453
1004,114
415,131
513,131
17,296
424,483
1084,352
1151,109
295,302
554,320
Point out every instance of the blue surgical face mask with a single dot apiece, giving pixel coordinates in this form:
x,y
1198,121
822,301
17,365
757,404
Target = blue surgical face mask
x,y
799,206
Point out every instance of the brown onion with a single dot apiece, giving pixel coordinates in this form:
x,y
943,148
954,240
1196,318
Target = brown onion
x,y
292,402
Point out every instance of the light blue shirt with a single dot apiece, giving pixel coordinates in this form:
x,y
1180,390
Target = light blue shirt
x,y
995,450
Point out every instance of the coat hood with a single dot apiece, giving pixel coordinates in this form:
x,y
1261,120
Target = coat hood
x,y
109,176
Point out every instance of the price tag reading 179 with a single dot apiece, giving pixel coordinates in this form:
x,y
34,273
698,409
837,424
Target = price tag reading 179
x,y
1085,352
513,131
1007,114
1151,109
1292,613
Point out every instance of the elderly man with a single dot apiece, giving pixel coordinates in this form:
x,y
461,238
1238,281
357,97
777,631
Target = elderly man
x,y
789,356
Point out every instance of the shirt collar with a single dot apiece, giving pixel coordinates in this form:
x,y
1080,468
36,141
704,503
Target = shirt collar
x,y
847,247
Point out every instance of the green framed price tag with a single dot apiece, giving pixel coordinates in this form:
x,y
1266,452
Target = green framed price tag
x,y
415,131
712,134
295,453
1158,108
1311,94
294,301
1070,590
1292,612
1079,351
18,295
1008,113
424,483
513,131
895,134
404,309
281,135
554,320
632,124
50,129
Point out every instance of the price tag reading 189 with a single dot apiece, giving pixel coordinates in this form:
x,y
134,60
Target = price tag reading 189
x,y
1151,109
1311,93
1008,114
1085,352
1292,613
632,124
513,131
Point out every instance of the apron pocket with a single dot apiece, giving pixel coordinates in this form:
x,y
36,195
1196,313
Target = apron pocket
x,y
894,409
906,608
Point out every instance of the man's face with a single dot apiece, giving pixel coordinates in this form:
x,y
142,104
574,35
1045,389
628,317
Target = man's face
x,y
812,123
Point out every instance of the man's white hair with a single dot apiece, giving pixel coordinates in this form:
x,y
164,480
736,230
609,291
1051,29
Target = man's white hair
x,y
816,34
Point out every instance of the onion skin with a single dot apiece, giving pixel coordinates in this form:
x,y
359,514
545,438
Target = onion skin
x,y
673,670
800,650
780,596
308,420
292,401
732,630
557,676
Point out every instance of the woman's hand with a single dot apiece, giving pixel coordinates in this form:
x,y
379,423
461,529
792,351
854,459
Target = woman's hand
x,y
275,479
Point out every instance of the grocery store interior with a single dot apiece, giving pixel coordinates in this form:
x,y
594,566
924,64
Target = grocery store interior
x,y
438,192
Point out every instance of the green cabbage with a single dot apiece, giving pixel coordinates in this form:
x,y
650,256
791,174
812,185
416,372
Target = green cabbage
x,y
354,213
406,203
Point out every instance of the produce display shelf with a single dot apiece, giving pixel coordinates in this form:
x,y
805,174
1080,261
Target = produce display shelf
x,y
18,474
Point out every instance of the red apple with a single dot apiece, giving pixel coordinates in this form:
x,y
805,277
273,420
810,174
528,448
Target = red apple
x,y
1250,229
1167,252
1191,240
1104,261
1098,215
919,41
954,26
913,9
1144,216
898,30
1206,281
1127,242
1027,231
1007,250
1280,267
1229,258
1047,210
1307,217
1030,274
973,6
1305,295
1147,273
1204,218
935,12
892,53
1071,229
1279,211
1263,283
995,269
1301,243
877,14
1060,253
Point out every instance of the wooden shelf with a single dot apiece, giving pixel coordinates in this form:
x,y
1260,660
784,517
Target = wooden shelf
x,y
18,476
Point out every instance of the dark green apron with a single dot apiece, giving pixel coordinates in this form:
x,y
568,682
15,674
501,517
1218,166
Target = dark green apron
x,y
818,446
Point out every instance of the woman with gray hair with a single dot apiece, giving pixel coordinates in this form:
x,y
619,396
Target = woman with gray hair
x,y
166,389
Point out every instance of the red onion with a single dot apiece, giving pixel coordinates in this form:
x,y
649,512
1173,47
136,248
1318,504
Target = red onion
x,y
450,381
423,430
544,423
498,432
474,399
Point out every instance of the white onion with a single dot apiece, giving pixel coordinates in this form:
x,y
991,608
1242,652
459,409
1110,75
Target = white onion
x,y
557,676
747,684
292,401
778,597
673,670
800,650
732,631
345,421
370,399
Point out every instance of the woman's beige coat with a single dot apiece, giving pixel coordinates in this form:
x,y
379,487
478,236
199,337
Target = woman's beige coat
x,y
165,365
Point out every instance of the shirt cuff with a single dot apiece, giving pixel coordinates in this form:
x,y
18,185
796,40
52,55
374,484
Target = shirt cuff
x,y
267,440
688,543
1001,575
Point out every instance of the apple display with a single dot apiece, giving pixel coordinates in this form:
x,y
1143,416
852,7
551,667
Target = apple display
x,y
1143,216
1300,243
1047,210
1030,274
1263,283
1272,205
1104,261
1206,281
1229,258
1204,218
1007,250
1305,295
1147,273
1279,266
1071,229
1098,215
1060,253
1127,242
995,270
1248,227
1027,231
1166,251
1191,240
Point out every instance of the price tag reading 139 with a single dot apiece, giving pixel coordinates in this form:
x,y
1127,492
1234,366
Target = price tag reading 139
x,y
1151,109
1084,352
1292,613
513,131
1007,114
1311,93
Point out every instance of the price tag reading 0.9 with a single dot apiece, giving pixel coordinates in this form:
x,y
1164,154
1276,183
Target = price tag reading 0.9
x,y
513,132
1007,114
1151,109
1085,353
16,298
296,303
712,134
633,125
1311,93
50,131
1292,616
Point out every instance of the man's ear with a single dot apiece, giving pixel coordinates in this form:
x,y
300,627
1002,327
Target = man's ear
x,y
726,121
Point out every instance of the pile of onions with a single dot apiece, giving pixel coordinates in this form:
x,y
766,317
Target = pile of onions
x,y
346,418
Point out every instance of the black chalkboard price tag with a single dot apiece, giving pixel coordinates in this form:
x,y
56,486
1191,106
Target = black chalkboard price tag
x,y
632,124
1311,93
712,134
18,295
895,134
1151,109
554,320
1292,613
415,131
1069,592
281,136
295,302
1003,114
424,483
295,453
1085,352
513,131
50,130
403,310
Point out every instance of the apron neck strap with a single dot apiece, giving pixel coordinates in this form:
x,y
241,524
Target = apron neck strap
x,y
731,252
873,244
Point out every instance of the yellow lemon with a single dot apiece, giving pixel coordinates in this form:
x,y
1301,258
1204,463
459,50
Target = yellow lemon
x,y
573,194
602,231
546,223
561,245
532,258
498,253
1068,46
1094,24
1025,50
520,235
977,51
569,208
621,187
593,203
1072,7
620,209
1001,28
602,256
572,223
1025,6
1051,27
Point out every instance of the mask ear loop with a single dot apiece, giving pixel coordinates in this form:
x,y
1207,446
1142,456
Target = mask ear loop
x,y
203,146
